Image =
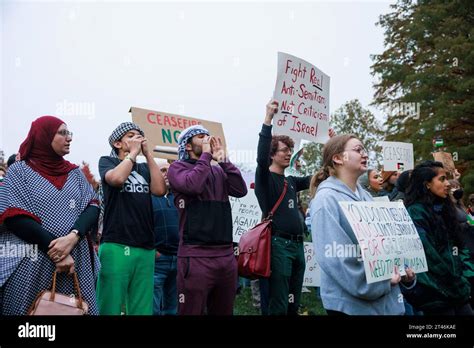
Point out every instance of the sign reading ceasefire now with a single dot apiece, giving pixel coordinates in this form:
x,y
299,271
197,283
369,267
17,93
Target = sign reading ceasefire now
x,y
163,129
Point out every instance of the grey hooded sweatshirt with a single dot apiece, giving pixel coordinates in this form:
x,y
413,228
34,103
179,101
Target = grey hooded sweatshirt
x,y
344,285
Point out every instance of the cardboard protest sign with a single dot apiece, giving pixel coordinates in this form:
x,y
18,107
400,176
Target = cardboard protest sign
x,y
397,156
387,238
302,91
163,129
246,214
312,273
447,159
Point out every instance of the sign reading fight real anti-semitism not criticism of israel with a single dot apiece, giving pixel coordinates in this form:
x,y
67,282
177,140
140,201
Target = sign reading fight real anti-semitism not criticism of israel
x,y
163,129
302,91
387,238
397,156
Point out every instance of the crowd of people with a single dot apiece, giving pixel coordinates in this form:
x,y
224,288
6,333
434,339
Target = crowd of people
x,y
165,240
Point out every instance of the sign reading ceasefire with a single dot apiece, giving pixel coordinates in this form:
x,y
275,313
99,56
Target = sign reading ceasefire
x,y
162,129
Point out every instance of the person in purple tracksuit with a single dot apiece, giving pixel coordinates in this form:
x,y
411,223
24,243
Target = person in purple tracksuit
x,y
207,267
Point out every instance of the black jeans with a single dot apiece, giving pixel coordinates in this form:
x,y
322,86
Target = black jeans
x,y
264,295
286,279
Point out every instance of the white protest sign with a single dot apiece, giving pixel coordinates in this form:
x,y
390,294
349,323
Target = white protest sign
x,y
312,273
381,199
387,238
397,156
302,91
246,214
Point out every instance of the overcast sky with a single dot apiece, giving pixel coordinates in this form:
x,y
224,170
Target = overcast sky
x,y
211,60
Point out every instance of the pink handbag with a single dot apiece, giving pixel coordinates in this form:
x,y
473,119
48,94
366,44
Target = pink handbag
x,y
49,302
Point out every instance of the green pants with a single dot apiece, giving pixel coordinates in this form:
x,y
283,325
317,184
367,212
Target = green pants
x,y
286,279
125,284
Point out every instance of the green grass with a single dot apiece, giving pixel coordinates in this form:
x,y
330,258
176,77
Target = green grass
x,y
243,303
311,305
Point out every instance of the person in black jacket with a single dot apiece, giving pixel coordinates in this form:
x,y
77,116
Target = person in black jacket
x,y
287,254
444,288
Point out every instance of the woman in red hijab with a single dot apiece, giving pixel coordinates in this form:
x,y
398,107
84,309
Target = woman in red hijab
x,y
50,205
43,150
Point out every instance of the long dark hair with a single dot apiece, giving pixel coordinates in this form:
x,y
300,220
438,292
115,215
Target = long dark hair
x,y
417,192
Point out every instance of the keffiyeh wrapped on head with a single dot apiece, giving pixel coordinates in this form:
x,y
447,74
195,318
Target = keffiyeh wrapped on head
x,y
120,131
184,137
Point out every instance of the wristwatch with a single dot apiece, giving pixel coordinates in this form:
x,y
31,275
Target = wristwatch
x,y
76,232
130,158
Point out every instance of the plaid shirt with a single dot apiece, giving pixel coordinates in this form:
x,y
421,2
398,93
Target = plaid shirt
x,y
166,224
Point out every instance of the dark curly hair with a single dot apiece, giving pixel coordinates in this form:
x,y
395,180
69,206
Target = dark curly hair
x,y
285,139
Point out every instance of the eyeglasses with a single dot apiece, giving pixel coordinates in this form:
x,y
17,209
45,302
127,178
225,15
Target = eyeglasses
x,y
286,150
65,133
360,150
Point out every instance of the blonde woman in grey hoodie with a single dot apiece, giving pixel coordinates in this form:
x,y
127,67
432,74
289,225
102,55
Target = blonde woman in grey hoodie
x,y
344,288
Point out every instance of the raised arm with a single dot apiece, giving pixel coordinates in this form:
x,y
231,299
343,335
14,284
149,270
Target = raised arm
x,y
236,185
117,175
190,181
265,137
157,184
